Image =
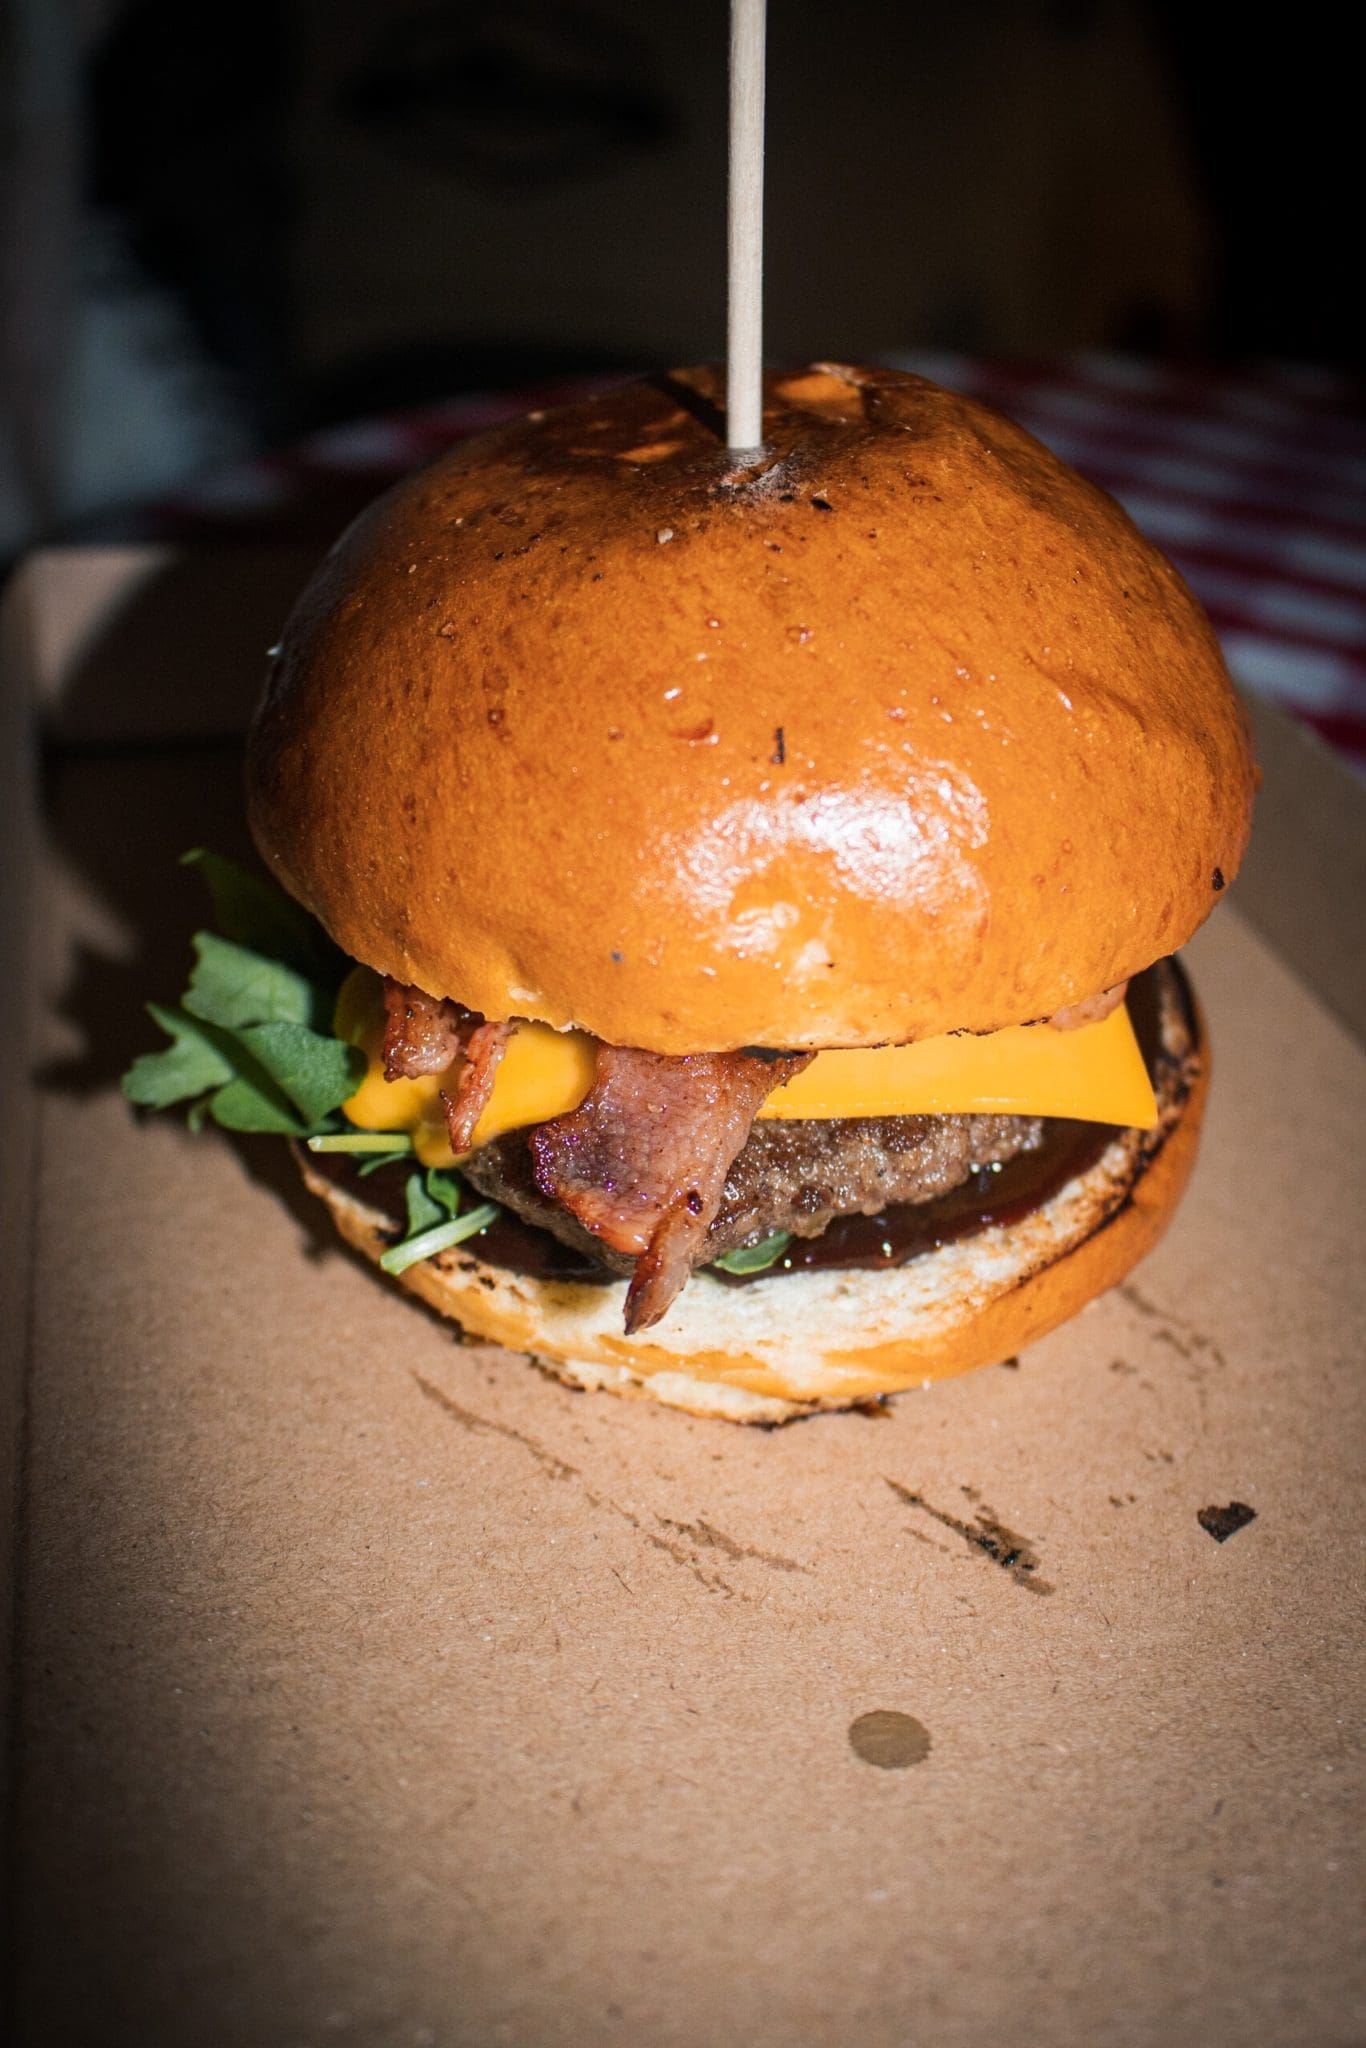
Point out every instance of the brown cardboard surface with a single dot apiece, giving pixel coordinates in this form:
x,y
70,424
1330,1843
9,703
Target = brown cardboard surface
x,y
1304,882
376,1689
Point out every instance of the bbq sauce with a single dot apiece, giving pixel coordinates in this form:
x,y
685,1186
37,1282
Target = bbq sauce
x,y
993,1195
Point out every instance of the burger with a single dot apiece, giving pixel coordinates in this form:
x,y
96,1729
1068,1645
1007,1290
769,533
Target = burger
x,y
760,874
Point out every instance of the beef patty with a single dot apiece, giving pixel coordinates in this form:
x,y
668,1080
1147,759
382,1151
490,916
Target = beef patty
x,y
793,1176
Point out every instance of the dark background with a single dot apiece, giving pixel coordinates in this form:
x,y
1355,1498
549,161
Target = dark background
x,y
310,210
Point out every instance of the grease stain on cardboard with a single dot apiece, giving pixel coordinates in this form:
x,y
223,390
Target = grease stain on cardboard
x,y
986,1533
485,1424
889,1740
681,1542
706,1535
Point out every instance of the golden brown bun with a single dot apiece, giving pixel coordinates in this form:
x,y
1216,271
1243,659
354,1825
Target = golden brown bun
x,y
797,1342
903,729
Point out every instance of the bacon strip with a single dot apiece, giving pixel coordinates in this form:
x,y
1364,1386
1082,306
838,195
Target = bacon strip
x,y
422,1033
643,1161
483,1049
428,1035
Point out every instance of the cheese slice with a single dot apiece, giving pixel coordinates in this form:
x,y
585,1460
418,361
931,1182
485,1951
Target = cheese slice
x,y
542,1074
1095,1074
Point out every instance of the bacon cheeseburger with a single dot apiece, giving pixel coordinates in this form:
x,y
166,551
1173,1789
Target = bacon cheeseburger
x,y
747,860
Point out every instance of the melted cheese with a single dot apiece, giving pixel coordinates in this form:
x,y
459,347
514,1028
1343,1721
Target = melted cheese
x,y
1095,1074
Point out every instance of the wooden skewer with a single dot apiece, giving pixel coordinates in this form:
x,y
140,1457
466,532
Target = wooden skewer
x,y
745,224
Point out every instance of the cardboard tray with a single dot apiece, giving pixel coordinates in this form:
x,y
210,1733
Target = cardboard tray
x,y
370,1688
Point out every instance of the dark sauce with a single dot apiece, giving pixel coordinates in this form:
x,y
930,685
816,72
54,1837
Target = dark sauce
x,y
993,1195
521,1248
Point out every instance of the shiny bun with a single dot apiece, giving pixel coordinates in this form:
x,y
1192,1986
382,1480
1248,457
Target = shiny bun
x,y
901,728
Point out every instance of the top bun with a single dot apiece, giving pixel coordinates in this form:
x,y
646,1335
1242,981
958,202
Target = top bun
x,y
895,728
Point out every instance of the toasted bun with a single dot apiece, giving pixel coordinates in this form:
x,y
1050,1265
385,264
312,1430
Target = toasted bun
x,y
793,1343
902,728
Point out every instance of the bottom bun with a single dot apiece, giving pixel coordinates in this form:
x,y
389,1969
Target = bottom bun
x,y
790,1344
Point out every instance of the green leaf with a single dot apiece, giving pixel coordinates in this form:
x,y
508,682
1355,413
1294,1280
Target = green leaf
x,y
316,1073
445,1189
252,1103
440,1239
374,1163
253,913
234,987
192,1063
755,1258
252,1036
423,1212
432,1198
267,1077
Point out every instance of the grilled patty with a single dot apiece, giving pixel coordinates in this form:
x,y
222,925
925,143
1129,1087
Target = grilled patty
x,y
793,1176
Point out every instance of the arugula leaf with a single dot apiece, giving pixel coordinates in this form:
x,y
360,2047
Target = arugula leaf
x,y
755,1258
423,1212
316,1073
373,1149
252,1048
232,986
445,1189
433,1197
192,1063
266,1077
378,1159
254,914
399,1257
251,1102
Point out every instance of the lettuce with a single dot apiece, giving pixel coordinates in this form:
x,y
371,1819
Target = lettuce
x,y
251,1040
755,1258
191,1064
440,1238
252,1049
256,915
432,1197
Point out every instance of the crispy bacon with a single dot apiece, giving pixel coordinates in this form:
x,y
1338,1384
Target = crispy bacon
x,y
483,1049
643,1161
432,1035
422,1033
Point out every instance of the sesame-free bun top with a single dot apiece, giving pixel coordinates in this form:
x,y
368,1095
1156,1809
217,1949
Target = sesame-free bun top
x,y
894,728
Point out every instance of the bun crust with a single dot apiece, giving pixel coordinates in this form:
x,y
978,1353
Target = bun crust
x,y
903,729
790,1345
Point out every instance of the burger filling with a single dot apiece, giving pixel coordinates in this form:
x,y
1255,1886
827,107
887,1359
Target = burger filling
x,y
661,1167
649,1165
792,1179
639,1168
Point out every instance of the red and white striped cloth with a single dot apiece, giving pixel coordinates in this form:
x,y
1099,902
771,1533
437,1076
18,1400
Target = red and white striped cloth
x,y
1253,482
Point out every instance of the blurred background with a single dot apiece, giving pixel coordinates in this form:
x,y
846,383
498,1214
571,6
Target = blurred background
x,y
224,227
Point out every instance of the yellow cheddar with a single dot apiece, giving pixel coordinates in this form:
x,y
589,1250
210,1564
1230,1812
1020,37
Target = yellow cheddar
x,y
542,1074
1095,1074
